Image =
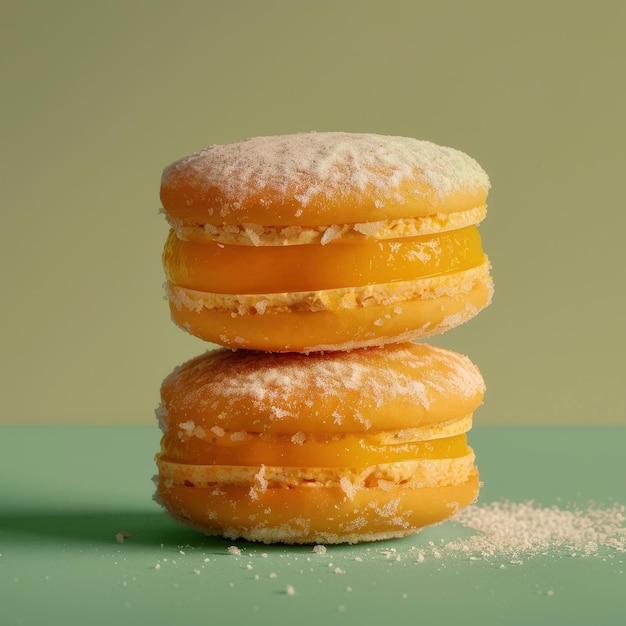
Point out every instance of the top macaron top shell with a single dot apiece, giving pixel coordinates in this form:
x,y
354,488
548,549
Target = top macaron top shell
x,y
321,178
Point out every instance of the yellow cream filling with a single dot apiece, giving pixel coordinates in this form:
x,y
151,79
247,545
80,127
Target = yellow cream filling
x,y
215,267
301,450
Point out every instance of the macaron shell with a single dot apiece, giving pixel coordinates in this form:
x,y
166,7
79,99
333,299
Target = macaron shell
x,y
314,179
394,387
342,319
314,514
332,447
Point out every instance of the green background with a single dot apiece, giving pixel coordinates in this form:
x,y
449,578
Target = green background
x,y
99,96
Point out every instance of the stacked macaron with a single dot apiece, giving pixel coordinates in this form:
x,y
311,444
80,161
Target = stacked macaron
x,y
315,260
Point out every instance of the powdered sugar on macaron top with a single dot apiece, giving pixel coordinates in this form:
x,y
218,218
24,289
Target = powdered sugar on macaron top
x,y
314,166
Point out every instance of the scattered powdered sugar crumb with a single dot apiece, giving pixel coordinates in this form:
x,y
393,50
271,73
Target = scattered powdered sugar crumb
x,y
504,534
299,438
189,429
348,487
260,485
332,232
162,418
218,431
513,529
517,531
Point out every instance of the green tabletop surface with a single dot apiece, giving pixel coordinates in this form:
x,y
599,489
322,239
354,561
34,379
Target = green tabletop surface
x,y
82,542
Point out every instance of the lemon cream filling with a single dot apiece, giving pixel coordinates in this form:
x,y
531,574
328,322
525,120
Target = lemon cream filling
x,y
301,450
345,298
351,461
228,269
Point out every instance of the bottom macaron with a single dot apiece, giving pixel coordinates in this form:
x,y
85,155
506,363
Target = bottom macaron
x,y
326,448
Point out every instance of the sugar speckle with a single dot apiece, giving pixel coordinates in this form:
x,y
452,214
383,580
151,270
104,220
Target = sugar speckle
x,y
348,487
298,438
260,484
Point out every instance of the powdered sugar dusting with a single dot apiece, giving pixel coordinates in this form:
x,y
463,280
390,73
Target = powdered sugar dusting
x,y
516,530
278,386
162,418
312,165
260,484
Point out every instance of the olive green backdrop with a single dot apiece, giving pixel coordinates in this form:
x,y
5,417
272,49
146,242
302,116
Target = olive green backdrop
x,y
97,97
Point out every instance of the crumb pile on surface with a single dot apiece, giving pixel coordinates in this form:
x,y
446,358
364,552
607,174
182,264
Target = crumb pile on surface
x,y
520,530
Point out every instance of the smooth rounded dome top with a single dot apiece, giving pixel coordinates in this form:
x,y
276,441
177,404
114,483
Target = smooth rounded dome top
x,y
398,386
318,179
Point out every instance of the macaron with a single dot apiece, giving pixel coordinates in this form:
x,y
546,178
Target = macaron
x,y
337,447
324,241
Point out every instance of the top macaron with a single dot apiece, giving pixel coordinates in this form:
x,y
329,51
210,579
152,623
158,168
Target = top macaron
x,y
320,180
257,227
